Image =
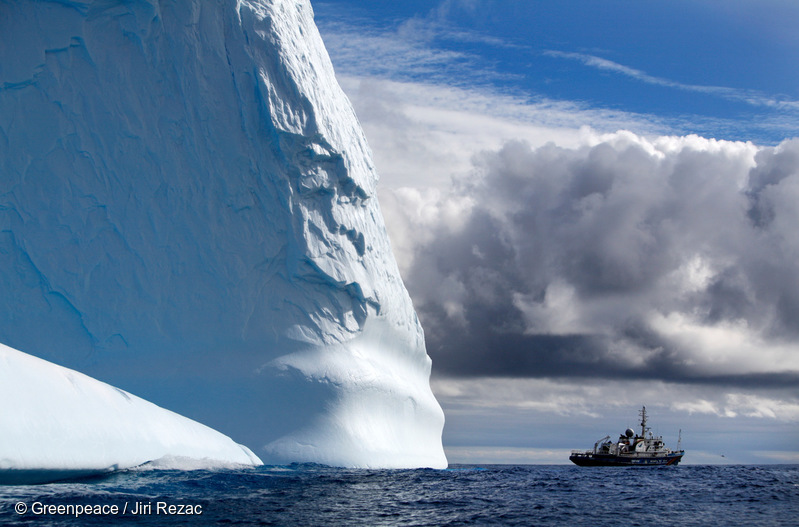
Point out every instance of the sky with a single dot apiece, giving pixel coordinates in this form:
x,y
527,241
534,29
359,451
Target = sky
x,y
593,206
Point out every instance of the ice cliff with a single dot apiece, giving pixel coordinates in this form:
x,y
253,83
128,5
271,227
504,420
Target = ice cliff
x,y
188,212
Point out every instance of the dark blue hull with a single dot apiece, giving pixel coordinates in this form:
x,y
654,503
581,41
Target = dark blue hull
x,y
610,460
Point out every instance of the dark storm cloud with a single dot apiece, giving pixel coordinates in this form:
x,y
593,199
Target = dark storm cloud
x,y
675,259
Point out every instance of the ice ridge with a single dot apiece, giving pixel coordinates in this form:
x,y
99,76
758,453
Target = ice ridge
x,y
60,424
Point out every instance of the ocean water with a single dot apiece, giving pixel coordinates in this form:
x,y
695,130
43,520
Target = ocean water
x,y
461,495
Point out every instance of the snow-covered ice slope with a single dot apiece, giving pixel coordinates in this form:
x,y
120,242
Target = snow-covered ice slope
x,y
59,423
188,211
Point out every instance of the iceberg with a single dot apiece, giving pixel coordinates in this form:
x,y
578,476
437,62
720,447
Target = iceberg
x,y
58,424
188,212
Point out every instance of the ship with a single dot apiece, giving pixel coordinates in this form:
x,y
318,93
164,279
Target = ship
x,y
631,449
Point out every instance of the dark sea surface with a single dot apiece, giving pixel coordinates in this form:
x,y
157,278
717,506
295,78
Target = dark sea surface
x,y
461,495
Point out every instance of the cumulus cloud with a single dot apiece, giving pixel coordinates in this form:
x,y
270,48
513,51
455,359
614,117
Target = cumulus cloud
x,y
673,258
424,134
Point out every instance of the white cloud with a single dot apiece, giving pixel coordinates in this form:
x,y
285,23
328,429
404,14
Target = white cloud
x,y
423,135
743,404
751,97
729,346
544,395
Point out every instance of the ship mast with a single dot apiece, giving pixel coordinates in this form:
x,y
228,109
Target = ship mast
x,y
643,421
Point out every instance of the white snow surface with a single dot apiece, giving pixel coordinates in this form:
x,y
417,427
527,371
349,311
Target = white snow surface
x,y
58,423
188,212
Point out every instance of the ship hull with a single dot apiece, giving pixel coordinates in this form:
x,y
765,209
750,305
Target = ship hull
x,y
610,460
